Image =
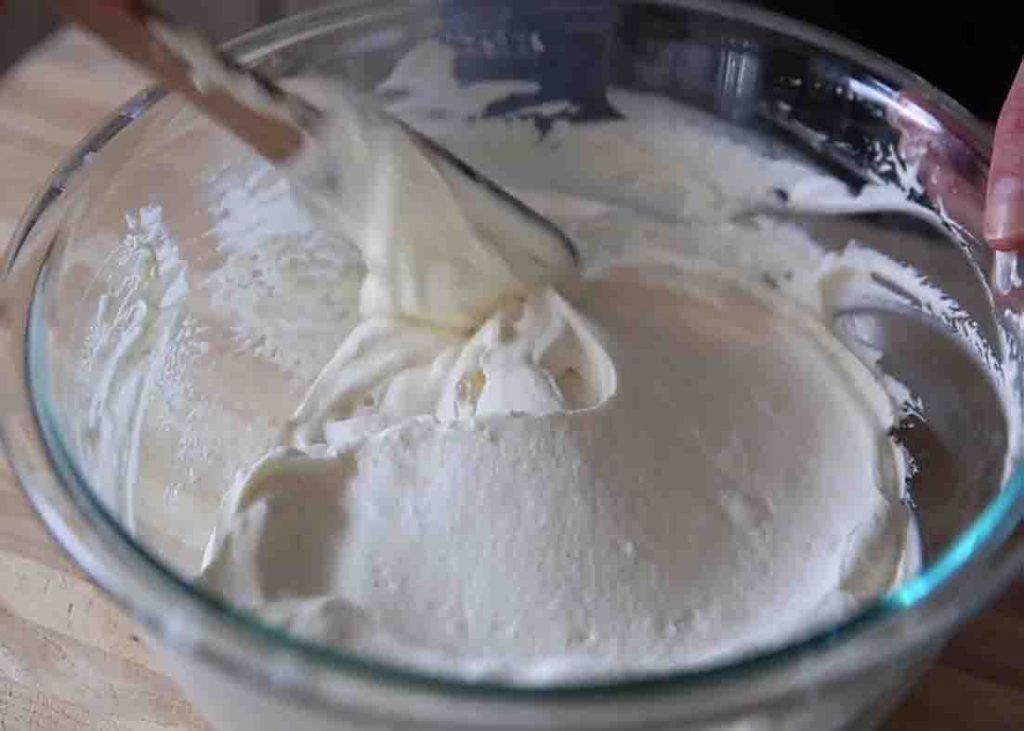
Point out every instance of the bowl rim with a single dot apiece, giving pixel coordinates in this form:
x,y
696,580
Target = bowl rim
x,y
94,538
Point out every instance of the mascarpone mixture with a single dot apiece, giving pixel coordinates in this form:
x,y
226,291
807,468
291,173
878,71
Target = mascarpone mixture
x,y
513,466
517,464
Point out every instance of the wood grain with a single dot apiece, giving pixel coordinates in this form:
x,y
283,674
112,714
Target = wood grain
x,y
70,660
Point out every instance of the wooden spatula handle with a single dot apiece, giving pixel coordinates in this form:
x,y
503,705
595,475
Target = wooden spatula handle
x,y
273,125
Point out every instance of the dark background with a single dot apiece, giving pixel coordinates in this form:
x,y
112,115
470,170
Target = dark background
x,y
970,50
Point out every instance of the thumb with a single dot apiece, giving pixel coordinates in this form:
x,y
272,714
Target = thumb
x,y
1004,204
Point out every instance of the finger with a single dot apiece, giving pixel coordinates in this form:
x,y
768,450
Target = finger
x,y
1004,207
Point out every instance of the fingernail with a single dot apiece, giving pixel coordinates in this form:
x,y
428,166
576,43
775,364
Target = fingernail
x,y
1004,213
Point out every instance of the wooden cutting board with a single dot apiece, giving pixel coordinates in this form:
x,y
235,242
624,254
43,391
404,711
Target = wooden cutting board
x,y
70,660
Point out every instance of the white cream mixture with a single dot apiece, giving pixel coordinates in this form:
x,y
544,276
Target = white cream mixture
x,y
698,469
511,467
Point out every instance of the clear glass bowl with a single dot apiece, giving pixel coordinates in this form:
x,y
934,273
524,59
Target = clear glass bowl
x,y
131,205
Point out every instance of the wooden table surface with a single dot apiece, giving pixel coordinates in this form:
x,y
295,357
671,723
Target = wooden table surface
x,y
70,660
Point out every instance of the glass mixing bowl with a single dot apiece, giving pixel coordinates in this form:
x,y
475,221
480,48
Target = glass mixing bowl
x,y
122,248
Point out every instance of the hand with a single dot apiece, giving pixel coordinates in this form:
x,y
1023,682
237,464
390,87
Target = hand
x,y
1004,204
950,175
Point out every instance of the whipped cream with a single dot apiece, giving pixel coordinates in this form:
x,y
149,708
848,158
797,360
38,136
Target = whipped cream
x,y
201,350
513,467
564,500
